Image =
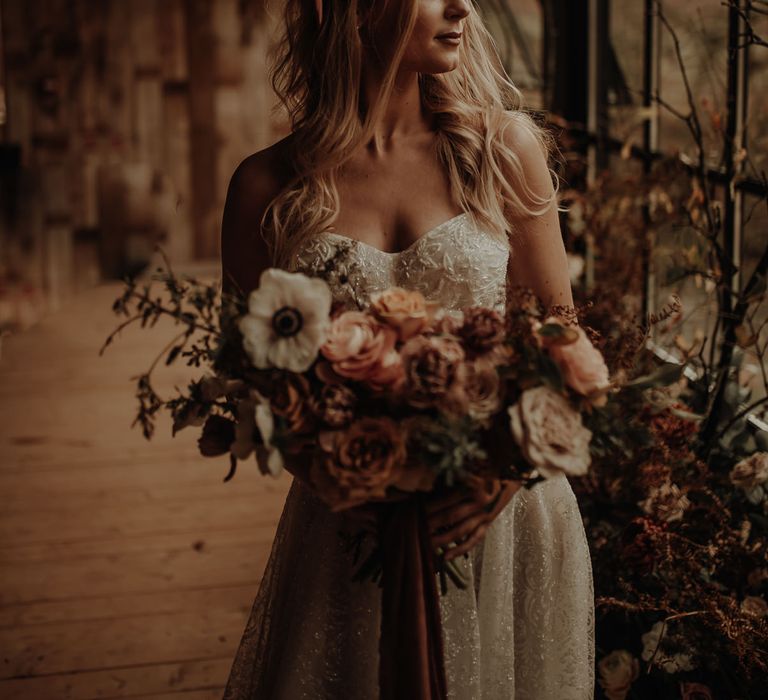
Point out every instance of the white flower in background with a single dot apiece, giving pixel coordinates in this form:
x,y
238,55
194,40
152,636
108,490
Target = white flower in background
x,y
618,670
750,472
575,267
550,432
287,320
754,605
654,647
666,501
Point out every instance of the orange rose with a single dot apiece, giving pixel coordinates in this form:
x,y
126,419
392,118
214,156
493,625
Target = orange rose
x,y
361,348
359,463
407,311
288,399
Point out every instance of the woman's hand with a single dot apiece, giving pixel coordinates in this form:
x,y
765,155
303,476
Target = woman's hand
x,y
463,516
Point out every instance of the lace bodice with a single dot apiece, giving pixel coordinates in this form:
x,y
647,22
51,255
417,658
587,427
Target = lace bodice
x,y
456,263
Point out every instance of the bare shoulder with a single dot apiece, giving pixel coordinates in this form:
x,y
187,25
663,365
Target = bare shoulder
x,y
538,259
519,134
256,181
260,177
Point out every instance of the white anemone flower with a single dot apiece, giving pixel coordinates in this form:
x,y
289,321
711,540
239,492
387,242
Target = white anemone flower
x,y
287,320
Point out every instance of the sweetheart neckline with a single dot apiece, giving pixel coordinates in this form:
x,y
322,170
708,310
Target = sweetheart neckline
x,y
407,249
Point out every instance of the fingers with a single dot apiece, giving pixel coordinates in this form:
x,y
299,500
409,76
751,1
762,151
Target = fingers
x,y
439,503
471,541
460,530
451,516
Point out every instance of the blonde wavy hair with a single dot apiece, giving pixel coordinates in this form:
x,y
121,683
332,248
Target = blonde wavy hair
x,y
316,72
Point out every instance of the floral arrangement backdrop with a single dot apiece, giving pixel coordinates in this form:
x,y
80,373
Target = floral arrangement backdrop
x,y
676,507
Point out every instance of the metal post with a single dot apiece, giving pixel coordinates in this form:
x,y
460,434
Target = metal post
x,y
651,87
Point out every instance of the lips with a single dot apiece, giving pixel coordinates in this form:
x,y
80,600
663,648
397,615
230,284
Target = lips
x,y
449,35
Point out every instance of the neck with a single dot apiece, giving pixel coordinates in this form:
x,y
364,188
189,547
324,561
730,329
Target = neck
x,y
403,116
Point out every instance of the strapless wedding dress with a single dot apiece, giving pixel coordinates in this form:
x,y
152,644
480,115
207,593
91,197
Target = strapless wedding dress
x,y
522,630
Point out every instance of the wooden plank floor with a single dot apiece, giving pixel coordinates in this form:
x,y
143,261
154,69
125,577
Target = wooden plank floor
x,y
127,567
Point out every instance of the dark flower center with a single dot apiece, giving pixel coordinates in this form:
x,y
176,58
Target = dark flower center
x,y
287,321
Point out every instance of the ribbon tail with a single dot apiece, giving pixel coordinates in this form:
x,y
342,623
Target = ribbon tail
x,y
411,661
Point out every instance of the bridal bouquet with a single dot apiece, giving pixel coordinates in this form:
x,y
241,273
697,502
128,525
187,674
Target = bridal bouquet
x,y
405,395
402,397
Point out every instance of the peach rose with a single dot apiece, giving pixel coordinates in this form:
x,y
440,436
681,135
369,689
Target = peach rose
x,y
359,463
405,310
666,501
617,672
581,363
361,348
550,433
483,389
434,372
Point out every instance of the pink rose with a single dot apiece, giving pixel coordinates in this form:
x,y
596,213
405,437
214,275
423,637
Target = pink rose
x,y
361,348
581,363
483,389
405,310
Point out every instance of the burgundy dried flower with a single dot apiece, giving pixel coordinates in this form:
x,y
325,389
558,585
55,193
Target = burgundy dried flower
x,y
639,544
482,330
288,399
334,404
217,436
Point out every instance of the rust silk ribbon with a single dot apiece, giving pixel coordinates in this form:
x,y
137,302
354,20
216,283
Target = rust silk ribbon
x,y
411,663
319,10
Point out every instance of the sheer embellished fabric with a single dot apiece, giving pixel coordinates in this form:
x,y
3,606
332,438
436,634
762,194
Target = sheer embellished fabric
x,y
522,630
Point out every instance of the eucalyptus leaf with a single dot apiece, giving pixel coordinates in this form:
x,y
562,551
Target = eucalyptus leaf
x,y
663,376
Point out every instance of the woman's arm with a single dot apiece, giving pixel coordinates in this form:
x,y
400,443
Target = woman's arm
x,y
537,258
538,261
244,253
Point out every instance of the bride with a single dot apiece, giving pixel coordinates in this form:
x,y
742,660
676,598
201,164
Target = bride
x,y
412,155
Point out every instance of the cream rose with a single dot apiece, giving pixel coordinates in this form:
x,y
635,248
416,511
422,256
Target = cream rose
x,y
361,348
405,310
750,472
617,672
550,433
666,501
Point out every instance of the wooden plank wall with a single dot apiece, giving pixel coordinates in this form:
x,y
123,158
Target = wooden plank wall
x,y
131,117
127,568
